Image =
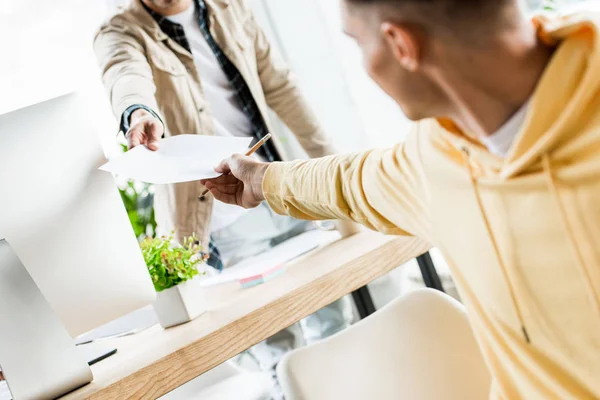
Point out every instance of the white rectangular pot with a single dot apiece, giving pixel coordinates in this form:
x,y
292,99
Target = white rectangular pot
x,y
180,304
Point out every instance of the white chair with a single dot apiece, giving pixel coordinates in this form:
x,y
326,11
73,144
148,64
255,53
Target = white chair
x,y
419,347
225,382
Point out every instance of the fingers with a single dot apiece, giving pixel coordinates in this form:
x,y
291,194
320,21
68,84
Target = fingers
x,y
155,128
152,144
225,180
134,138
153,133
146,131
228,196
234,164
229,189
224,166
225,188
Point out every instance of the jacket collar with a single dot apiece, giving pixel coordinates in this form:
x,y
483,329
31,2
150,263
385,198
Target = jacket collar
x,y
144,18
218,3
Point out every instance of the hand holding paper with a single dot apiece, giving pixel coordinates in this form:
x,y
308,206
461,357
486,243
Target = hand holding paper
x,y
182,158
241,184
222,167
145,129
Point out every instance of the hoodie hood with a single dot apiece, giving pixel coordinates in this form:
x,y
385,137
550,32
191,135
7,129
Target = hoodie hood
x,y
559,106
561,101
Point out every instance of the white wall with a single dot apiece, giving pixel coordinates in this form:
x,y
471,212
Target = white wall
x,y
47,51
384,122
46,48
582,5
354,111
300,32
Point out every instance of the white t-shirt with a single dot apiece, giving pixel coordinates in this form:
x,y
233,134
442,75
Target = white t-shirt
x,y
500,142
229,119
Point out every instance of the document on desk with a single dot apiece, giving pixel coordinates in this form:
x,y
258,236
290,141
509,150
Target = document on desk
x,y
182,158
269,261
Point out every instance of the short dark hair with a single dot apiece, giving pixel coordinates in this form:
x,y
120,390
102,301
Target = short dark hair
x,y
448,15
461,5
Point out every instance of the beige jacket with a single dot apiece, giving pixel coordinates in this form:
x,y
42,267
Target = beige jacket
x,y
142,65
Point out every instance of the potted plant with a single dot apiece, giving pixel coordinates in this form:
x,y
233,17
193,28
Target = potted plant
x,y
174,272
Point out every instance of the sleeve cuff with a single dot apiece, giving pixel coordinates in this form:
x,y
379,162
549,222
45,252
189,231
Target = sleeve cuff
x,y
272,187
126,116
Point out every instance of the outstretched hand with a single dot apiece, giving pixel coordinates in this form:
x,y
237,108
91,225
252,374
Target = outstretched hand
x,y
241,182
145,130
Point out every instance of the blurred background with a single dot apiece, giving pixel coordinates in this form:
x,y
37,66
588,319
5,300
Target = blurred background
x,y
46,51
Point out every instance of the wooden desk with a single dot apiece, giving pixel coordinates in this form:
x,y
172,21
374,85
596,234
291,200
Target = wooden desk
x,y
156,361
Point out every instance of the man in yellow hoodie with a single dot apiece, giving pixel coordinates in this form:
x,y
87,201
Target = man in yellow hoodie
x,y
502,173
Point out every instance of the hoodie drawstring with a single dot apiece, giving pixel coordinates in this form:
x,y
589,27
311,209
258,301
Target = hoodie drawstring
x,y
569,229
488,228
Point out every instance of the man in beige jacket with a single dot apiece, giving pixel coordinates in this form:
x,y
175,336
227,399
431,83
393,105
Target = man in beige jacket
x,y
205,67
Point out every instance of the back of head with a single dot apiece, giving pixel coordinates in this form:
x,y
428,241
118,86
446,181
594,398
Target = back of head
x,y
469,19
414,48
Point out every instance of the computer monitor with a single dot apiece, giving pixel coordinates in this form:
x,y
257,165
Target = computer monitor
x,y
64,218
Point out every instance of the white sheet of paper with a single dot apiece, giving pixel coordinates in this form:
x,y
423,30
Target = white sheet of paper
x,y
282,253
182,158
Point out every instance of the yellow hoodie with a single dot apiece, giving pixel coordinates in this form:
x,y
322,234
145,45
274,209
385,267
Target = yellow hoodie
x,y
521,234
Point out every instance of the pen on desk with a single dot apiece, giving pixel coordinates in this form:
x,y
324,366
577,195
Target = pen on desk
x,y
251,151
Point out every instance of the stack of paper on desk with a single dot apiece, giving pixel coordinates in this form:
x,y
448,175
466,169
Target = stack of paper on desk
x,y
182,158
263,277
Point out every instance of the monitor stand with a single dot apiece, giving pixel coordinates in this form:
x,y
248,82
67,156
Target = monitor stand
x,y
92,352
38,357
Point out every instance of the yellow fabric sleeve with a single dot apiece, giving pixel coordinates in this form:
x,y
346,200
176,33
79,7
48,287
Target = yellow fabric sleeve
x,y
380,189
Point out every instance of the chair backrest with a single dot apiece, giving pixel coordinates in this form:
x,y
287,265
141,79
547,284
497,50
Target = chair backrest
x,y
420,346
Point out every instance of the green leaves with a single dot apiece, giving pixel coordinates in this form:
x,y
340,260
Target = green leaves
x,y
138,199
554,5
169,264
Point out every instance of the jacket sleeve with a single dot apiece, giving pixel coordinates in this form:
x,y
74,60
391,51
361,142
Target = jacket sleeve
x,y
285,98
381,189
126,73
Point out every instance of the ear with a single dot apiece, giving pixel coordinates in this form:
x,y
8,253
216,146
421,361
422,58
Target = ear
x,y
404,45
